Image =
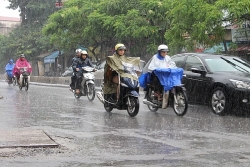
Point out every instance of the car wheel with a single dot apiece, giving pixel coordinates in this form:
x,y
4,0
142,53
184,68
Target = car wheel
x,y
219,101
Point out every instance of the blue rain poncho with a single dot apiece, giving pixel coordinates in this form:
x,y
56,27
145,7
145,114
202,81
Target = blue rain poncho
x,y
168,77
9,67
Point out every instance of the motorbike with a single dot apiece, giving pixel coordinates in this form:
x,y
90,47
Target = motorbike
x,y
127,98
87,84
175,97
24,78
11,79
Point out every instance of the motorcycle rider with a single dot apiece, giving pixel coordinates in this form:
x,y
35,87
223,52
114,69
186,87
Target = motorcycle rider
x,y
21,62
111,79
9,69
159,60
77,65
73,77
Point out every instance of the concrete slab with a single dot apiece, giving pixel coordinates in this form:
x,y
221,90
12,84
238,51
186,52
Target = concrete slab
x,y
25,138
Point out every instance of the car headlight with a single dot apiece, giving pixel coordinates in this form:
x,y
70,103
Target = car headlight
x,y
240,84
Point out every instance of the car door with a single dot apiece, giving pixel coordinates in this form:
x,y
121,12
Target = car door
x,y
196,84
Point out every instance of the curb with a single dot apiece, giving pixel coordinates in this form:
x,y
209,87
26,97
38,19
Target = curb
x,y
51,85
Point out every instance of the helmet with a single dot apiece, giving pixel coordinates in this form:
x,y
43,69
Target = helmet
x,y
22,55
84,52
163,47
78,50
120,46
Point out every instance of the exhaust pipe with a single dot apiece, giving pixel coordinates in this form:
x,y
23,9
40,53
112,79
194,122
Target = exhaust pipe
x,y
150,103
100,97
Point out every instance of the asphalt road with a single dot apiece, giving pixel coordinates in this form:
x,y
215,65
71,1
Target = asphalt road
x,y
89,136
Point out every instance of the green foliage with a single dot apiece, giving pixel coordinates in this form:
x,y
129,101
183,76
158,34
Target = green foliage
x,y
140,24
27,38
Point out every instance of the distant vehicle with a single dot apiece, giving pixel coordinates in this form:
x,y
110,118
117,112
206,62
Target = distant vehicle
x,y
220,81
87,84
68,72
24,78
100,69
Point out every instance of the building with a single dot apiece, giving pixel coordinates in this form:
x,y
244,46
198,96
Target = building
x,y
7,24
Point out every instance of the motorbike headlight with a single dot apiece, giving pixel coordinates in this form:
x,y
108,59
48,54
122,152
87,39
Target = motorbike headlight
x,y
240,84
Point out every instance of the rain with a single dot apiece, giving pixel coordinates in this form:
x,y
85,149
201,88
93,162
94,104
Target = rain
x,y
46,125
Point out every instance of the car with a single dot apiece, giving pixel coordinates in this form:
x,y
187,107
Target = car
x,y
219,81
100,69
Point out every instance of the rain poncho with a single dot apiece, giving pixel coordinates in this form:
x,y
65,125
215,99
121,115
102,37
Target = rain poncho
x,y
125,66
158,61
21,63
9,67
166,71
169,77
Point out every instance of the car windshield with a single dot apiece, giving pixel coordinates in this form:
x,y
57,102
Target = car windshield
x,y
227,64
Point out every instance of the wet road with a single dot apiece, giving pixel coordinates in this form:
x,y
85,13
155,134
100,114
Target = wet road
x,y
89,136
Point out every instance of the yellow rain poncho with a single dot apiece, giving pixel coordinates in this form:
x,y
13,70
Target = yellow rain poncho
x,y
125,66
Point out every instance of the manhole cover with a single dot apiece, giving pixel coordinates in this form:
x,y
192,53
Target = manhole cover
x,y
25,138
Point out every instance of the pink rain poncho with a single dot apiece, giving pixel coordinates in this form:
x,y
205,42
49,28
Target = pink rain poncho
x,y
20,63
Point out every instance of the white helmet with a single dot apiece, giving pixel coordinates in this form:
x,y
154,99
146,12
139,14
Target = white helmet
x,y
78,50
84,52
163,47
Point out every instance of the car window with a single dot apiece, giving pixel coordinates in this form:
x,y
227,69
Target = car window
x,y
178,60
193,61
218,64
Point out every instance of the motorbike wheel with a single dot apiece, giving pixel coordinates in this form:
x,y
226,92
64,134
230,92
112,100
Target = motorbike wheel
x,y
26,84
9,82
152,108
14,81
108,109
20,85
77,96
180,104
91,92
133,109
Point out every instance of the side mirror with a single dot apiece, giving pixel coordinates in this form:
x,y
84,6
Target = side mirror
x,y
198,70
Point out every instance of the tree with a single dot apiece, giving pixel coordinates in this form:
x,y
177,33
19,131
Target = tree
x,y
142,24
101,24
33,12
27,38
